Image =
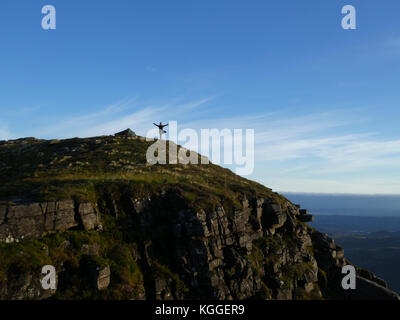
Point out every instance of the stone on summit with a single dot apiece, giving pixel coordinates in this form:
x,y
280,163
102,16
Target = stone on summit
x,y
126,133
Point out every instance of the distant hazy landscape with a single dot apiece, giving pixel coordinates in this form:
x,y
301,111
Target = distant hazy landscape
x,y
348,205
368,227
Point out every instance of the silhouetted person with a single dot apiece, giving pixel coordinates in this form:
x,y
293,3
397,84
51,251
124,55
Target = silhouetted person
x,y
161,128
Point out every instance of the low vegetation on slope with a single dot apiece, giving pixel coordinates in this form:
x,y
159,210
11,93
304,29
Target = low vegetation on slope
x,y
74,168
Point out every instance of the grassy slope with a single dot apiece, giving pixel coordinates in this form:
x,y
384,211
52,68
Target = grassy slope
x,y
48,170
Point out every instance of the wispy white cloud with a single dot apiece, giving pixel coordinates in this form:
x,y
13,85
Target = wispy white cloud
x,y
128,113
75,125
364,185
13,112
319,152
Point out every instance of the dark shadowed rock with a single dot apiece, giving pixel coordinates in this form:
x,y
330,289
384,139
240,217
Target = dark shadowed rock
x,y
306,218
126,133
273,216
369,290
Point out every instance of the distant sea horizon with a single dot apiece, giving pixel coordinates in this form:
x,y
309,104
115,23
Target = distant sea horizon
x,y
377,205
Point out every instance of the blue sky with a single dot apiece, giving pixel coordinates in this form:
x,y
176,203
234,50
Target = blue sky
x,y
324,102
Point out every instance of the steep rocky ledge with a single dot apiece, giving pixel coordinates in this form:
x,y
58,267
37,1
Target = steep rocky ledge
x,y
19,221
115,228
261,251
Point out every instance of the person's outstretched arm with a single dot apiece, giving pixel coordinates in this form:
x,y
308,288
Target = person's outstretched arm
x,y
165,125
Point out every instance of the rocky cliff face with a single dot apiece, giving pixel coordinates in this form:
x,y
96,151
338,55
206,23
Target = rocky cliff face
x,y
156,232
262,251
27,221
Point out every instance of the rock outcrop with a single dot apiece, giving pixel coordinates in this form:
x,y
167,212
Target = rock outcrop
x,y
370,290
261,251
102,279
126,133
28,221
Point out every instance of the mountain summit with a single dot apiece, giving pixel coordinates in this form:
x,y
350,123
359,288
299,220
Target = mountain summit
x,y
115,227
